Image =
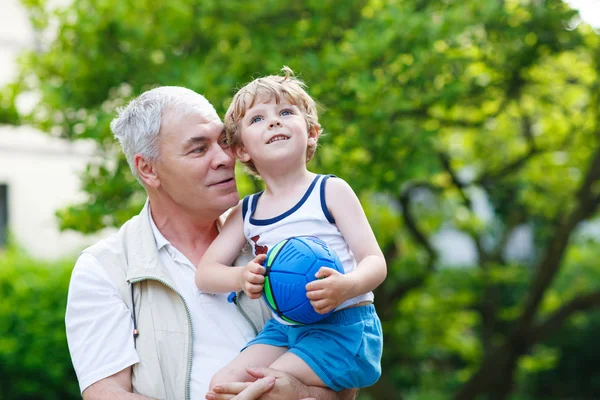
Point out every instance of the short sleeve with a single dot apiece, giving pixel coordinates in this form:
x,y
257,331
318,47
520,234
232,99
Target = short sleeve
x,y
99,324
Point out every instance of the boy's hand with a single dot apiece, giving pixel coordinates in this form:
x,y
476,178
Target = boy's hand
x,y
253,277
330,290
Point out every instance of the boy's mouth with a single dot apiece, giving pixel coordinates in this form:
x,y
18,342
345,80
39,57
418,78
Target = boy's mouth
x,y
277,138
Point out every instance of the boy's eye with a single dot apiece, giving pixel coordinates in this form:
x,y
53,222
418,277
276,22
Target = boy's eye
x,y
285,112
256,119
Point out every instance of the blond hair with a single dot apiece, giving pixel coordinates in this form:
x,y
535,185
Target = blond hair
x,y
288,87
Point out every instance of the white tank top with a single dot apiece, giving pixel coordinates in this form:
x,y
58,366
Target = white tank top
x,y
309,217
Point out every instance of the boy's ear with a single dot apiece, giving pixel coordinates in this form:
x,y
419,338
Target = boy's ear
x,y
313,136
241,154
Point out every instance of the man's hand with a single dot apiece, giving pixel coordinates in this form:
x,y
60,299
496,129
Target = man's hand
x,y
282,386
330,290
251,391
252,278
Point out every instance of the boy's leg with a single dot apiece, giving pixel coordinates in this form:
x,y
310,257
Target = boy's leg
x,y
257,355
292,364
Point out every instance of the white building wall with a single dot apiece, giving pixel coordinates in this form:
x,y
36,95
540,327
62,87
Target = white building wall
x,y
41,172
42,175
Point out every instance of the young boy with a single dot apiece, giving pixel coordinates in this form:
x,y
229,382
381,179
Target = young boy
x,y
273,128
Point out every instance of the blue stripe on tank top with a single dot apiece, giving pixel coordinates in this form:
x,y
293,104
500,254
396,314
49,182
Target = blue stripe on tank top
x,y
324,201
245,207
262,222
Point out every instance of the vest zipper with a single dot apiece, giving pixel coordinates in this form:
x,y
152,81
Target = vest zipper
x,y
241,310
191,341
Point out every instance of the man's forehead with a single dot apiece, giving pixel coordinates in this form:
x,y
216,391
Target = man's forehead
x,y
174,124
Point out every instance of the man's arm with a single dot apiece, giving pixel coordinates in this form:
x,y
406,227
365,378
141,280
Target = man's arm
x,y
99,328
114,387
286,387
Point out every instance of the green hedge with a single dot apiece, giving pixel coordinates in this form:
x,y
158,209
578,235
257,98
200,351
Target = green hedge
x,y
34,357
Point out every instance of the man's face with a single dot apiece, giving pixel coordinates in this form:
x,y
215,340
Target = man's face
x,y
195,166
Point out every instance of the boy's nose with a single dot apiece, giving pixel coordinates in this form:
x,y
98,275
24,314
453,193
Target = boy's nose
x,y
274,124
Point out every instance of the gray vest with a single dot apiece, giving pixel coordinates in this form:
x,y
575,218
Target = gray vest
x,y
164,344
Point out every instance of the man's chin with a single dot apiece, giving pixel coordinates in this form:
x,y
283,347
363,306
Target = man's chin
x,y
230,199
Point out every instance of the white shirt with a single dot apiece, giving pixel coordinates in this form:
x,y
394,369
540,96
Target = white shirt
x,y
100,326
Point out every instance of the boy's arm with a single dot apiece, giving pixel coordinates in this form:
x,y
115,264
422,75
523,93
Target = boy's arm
x,y
213,273
350,218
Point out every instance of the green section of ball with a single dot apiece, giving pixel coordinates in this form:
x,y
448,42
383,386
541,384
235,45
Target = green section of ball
x,y
274,251
269,294
291,321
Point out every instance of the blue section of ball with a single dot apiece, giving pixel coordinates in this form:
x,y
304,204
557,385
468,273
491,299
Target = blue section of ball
x,y
289,268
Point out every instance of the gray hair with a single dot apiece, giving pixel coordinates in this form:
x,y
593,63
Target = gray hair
x,y
137,125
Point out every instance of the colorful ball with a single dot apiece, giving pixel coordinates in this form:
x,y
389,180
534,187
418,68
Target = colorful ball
x,y
290,265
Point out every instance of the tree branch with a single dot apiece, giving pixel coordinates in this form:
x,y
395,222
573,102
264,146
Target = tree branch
x,y
411,225
546,269
386,297
556,320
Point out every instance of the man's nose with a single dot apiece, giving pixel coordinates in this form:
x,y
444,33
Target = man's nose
x,y
222,158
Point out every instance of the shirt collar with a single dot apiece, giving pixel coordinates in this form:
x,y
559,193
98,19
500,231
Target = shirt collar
x,y
161,241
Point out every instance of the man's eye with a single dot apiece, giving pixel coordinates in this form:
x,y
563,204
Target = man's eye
x,y
224,142
285,112
256,119
199,150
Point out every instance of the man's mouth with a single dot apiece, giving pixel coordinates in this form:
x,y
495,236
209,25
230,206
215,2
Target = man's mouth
x,y
277,138
224,181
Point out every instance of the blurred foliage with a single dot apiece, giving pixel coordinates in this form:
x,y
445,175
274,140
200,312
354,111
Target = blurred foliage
x,y
34,358
476,116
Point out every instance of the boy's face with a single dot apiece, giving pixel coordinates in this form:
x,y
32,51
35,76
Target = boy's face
x,y
274,134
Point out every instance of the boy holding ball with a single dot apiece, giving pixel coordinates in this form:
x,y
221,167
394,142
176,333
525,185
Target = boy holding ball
x,y
273,128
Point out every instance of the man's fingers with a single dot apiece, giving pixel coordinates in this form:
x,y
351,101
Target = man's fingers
x,y
229,388
241,390
215,396
261,372
226,391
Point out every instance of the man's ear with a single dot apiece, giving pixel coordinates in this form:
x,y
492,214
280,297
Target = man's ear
x,y
146,171
241,154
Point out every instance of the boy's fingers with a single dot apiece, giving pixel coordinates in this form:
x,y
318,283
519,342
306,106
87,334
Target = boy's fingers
x,y
255,288
320,306
315,294
259,259
258,269
316,285
256,278
324,272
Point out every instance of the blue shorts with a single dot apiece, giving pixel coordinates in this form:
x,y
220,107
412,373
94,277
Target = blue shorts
x,y
344,349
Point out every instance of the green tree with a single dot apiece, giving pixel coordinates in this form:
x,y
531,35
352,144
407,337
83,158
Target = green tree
x,y
427,105
34,357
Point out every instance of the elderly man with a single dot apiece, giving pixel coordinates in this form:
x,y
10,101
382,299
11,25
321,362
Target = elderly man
x,y
137,326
